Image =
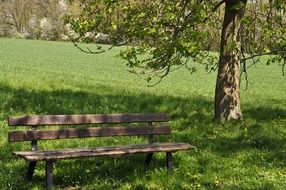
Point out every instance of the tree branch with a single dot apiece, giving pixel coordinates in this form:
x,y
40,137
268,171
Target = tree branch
x,y
88,50
283,68
161,77
267,53
244,70
264,15
218,5
214,9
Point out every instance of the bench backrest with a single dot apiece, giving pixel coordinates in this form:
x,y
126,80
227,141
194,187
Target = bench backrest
x,y
48,120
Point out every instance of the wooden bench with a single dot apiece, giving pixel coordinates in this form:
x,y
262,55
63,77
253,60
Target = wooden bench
x,y
150,128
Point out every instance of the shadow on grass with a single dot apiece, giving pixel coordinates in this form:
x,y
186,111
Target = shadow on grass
x,y
261,144
264,113
25,101
192,123
185,113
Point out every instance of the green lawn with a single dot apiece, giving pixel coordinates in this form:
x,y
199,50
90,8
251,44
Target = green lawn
x,y
39,77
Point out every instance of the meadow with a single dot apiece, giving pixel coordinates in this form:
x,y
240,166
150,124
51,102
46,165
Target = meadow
x,y
41,77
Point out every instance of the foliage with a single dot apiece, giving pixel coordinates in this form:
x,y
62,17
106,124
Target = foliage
x,y
169,33
38,77
264,31
166,33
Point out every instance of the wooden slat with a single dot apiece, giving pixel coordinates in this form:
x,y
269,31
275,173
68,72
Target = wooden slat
x,y
31,135
52,155
86,119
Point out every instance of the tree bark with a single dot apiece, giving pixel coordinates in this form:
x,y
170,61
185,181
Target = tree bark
x,y
227,94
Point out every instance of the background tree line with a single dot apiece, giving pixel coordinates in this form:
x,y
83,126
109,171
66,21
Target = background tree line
x,y
36,19
45,19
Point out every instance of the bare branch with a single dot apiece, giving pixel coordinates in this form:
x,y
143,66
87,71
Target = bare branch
x,y
218,5
264,15
214,9
152,85
283,68
184,64
88,50
118,45
267,53
244,70
167,70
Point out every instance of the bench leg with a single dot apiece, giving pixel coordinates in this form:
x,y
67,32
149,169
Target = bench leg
x,y
31,169
169,160
49,174
148,160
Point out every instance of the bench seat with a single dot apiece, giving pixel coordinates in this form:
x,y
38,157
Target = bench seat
x,y
87,126
53,155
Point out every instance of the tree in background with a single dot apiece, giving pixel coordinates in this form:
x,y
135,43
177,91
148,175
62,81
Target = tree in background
x,y
16,14
168,34
35,19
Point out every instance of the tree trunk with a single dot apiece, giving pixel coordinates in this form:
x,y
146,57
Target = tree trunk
x,y
227,94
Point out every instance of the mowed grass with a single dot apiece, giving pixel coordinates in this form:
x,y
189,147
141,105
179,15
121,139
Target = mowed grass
x,y
39,77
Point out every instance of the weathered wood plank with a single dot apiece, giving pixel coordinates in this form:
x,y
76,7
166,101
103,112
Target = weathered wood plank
x,y
87,119
33,135
101,151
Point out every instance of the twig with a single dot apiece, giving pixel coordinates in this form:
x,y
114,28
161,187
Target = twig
x,y
184,64
88,50
264,15
214,9
100,51
161,77
267,53
244,70
283,67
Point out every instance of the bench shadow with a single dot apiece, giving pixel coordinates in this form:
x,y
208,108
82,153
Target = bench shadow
x,y
121,170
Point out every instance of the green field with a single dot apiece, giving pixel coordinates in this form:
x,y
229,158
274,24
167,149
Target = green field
x,y
40,77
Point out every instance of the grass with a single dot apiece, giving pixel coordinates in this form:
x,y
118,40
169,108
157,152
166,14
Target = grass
x,y
39,77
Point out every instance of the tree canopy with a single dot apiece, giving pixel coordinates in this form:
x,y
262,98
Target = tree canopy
x,y
172,32
163,36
